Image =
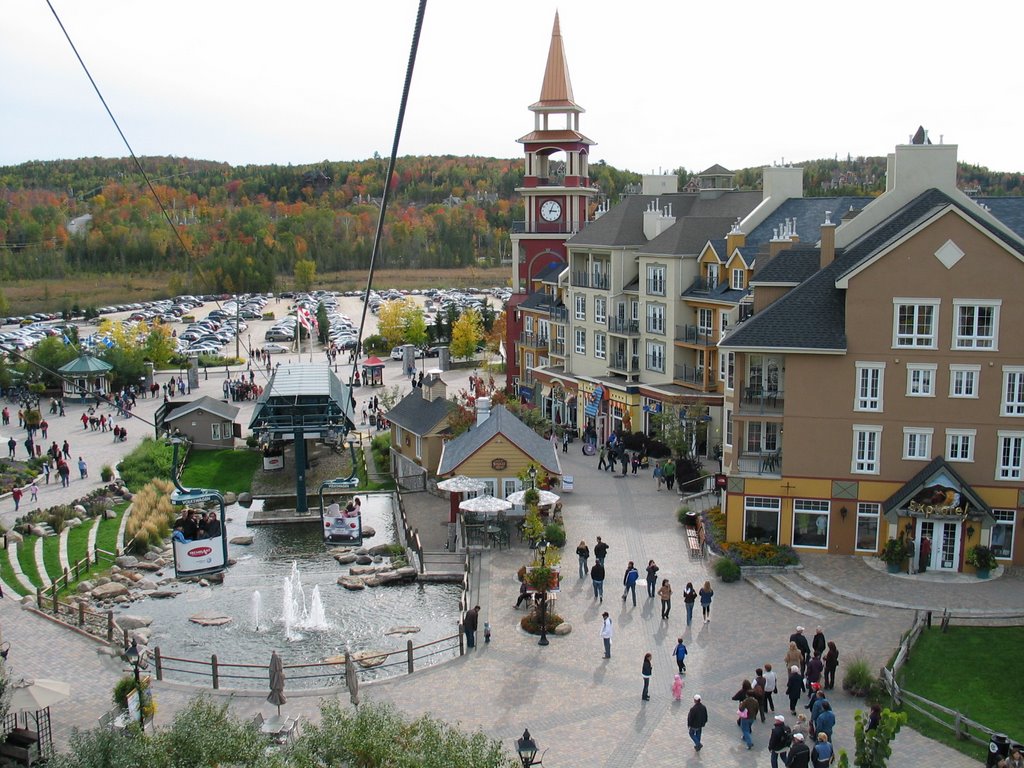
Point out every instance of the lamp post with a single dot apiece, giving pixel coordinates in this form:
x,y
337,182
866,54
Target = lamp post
x,y
532,472
543,548
526,748
135,659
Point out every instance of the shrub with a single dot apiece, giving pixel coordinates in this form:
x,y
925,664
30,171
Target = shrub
x,y
894,552
754,553
106,473
152,514
681,514
147,461
981,558
531,622
555,534
727,570
714,528
858,679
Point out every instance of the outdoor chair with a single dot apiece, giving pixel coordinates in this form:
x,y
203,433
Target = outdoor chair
x,y
257,720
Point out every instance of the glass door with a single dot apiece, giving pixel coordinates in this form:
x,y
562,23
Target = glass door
x,y
944,555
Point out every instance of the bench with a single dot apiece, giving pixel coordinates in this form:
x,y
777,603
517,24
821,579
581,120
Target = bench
x,y
21,746
694,543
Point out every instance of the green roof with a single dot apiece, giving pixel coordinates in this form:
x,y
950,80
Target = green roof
x,y
85,364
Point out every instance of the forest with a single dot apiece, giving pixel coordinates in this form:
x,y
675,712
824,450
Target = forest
x,y
239,228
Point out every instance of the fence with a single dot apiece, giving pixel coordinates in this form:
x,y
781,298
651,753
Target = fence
x,y
214,671
961,725
410,536
75,573
97,623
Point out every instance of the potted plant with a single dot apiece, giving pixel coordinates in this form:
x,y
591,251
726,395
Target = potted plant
x,y
893,554
983,559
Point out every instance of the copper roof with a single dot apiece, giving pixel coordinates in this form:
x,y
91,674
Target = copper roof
x,y
560,135
556,90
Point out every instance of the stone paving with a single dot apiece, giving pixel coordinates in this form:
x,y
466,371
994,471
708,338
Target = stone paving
x,y
586,711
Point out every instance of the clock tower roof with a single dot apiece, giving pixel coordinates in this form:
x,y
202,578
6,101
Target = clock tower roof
x,y
556,90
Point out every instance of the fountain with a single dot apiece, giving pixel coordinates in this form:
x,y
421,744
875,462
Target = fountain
x,y
294,613
255,608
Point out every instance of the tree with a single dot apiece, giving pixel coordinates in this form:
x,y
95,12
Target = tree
x,y
323,323
5,307
466,334
49,355
305,274
874,747
416,326
391,320
496,336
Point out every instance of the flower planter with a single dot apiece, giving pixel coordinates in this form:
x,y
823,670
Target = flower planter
x,y
983,573
893,567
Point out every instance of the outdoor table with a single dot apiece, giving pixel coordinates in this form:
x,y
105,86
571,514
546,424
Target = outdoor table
x,y
273,725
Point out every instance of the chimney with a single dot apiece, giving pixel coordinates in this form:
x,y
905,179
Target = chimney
x,y
828,240
483,409
434,387
736,238
778,243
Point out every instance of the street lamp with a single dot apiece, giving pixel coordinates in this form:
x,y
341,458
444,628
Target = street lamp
x,y
138,662
526,748
532,472
543,548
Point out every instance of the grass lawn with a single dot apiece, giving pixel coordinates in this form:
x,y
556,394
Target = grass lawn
x,y
78,542
368,485
106,538
51,557
27,558
966,669
224,470
7,572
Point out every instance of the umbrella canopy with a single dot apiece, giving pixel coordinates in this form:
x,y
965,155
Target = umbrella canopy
x,y
351,678
547,498
485,505
461,484
276,695
32,695
373,362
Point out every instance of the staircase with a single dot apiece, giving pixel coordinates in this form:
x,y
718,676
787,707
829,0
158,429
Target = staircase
x,y
810,596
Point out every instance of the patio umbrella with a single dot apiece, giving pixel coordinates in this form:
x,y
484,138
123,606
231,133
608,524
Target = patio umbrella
x,y
33,695
547,498
461,484
485,505
276,695
351,678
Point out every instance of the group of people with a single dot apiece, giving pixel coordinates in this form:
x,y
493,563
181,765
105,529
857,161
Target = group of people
x,y
194,524
242,388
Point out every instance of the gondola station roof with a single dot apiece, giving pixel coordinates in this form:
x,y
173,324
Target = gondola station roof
x,y
305,396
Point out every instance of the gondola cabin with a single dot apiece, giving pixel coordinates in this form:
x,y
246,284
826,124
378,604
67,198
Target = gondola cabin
x,y
199,542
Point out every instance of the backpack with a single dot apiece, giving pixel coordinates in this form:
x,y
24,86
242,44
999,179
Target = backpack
x,y
787,737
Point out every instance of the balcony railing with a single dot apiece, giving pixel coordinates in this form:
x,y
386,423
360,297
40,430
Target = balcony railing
x,y
528,339
624,363
701,285
622,327
557,347
655,287
597,280
694,334
756,398
690,374
765,463
558,314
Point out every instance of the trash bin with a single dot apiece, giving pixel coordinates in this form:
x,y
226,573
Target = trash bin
x,y
691,519
998,748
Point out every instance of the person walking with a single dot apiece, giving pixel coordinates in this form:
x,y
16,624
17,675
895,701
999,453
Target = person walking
x,y
659,475
799,753
680,654
652,578
669,473
665,593
794,687
583,552
646,672
677,687
602,465
779,740
469,625
771,686
597,577
46,470
705,594
67,450
800,639
793,657
822,754
16,494
629,580
743,721
696,719
606,634
689,598
83,468
565,441
34,493
818,642
600,551
825,721
814,669
12,446
831,662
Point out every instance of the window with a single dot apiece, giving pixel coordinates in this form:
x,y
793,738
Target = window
x,y
705,321
914,323
528,323
712,276
976,324
529,360
761,519
867,526
227,430
866,447
963,380
1013,390
419,447
921,379
737,279
728,427
600,310
869,387
215,430
634,311
960,444
656,318
581,341
655,356
581,306
730,370
1002,532
1008,461
917,443
656,280
810,523
762,437
599,345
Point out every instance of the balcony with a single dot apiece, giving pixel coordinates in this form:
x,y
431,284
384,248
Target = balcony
x,y
534,340
623,327
756,398
557,347
701,285
692,375
761,464
694,334
558,315
624,363
597,280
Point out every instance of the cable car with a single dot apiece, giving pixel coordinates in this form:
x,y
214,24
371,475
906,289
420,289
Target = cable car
x,y
341,524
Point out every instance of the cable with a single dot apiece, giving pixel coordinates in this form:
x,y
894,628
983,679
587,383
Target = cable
x,y
392,161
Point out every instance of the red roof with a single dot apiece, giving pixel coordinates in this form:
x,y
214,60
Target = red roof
x,y
373,361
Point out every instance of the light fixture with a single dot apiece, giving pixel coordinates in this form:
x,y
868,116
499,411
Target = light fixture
x,y
136,659
843,512
526,748
543,547
970,531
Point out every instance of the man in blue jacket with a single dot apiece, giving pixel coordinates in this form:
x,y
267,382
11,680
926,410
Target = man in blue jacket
x,y
629,582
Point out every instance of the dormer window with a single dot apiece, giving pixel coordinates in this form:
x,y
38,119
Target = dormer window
x,y
737,279
712,276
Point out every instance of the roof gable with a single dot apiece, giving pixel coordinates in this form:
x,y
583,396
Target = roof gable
x,y
218,408
938,490
501,421
417,415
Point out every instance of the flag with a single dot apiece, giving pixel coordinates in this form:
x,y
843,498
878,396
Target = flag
x,y
308,321
107,343
66,339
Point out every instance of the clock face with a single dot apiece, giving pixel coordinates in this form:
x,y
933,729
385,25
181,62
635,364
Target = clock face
x,y
551,210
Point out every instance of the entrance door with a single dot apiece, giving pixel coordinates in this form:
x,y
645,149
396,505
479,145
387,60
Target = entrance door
x,y
945,539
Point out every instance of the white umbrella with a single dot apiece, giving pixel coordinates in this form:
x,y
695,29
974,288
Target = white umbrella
x,y
461,484
485,505
33,695
547,498
351,678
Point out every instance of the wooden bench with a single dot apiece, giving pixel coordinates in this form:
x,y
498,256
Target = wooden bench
x,y
21,746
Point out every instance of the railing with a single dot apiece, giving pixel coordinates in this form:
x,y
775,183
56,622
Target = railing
x,y
558,314
410,535
757,399
766,463
655,287
75,573
96,623
625,363
690,374
694,334
557,347
528,339
581,279
623,327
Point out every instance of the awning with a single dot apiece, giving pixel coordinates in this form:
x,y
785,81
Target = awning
x,y
938,492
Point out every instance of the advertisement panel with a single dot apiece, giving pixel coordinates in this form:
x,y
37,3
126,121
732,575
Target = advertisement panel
x,y
192,558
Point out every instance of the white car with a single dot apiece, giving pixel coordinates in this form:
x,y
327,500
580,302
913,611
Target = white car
x,y
276,348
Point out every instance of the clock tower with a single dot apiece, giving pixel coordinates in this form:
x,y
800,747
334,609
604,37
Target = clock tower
x,y
556,187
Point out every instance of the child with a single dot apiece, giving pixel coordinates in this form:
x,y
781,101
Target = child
x,y
677,687
34,491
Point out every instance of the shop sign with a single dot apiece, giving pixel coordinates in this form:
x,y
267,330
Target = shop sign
x,y
499,464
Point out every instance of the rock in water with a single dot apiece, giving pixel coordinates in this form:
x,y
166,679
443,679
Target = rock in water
x,y
353,583
402,631
242,541
210,619
369,659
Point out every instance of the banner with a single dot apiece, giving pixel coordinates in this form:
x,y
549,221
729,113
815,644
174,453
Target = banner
x,y
200,556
